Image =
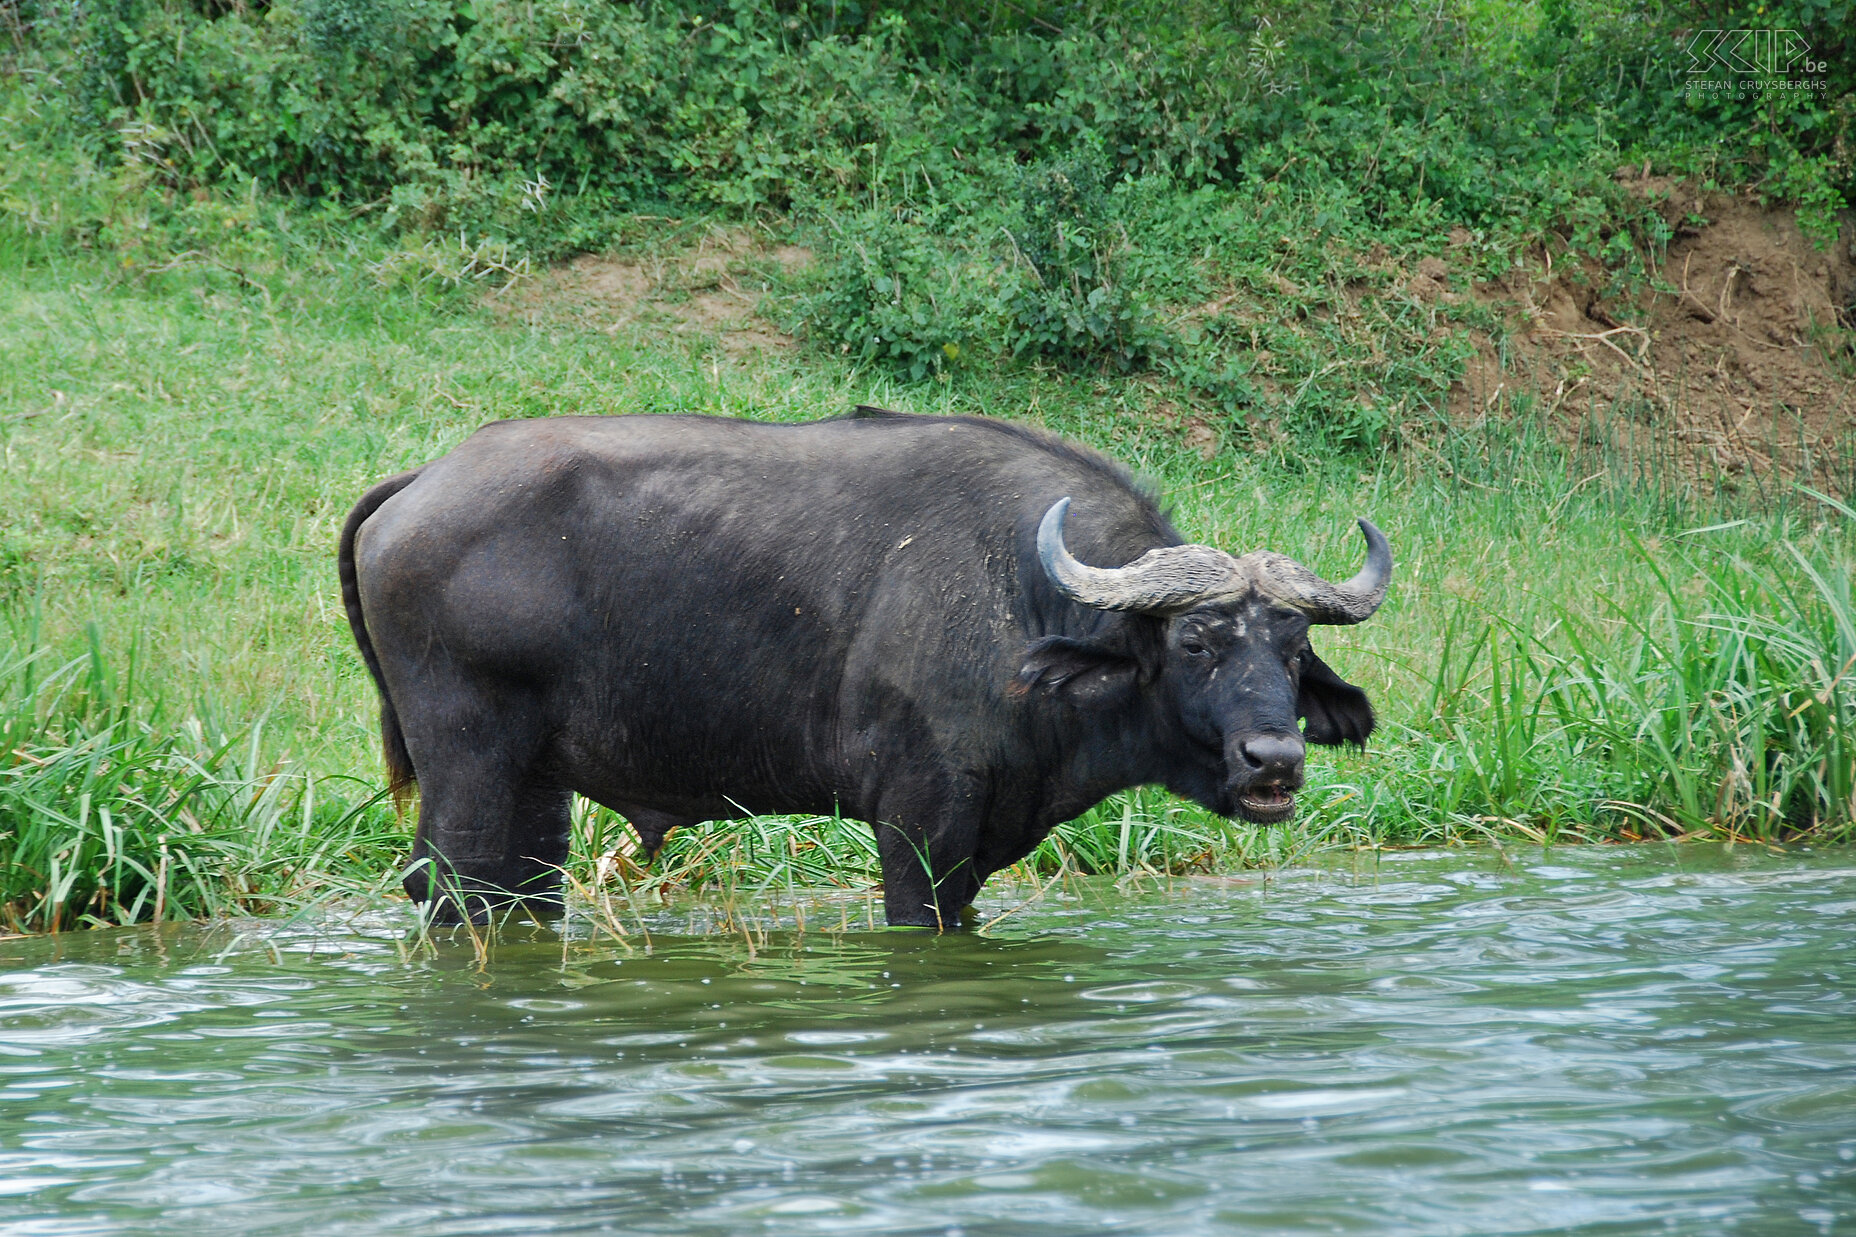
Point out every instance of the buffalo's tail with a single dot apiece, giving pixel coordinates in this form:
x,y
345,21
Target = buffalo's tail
x,y
392,740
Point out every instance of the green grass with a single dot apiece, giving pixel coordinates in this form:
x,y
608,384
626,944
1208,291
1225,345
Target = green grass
x,y
118,814
186,728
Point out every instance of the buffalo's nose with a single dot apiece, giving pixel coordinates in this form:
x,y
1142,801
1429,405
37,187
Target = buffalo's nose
x,y
1274,755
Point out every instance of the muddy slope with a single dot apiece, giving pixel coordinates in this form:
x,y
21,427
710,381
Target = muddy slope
x,y
1740,359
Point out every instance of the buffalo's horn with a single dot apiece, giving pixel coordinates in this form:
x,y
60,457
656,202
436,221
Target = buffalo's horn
x,y
1170,578
1287,581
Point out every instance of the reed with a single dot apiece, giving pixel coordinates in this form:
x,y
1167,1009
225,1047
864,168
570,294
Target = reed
x,y
113,816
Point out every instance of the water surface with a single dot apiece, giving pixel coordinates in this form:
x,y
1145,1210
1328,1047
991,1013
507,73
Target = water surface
x,y
1599,1040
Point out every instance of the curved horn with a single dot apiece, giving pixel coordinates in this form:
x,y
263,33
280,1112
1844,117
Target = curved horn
x,y
1170,578
1323,601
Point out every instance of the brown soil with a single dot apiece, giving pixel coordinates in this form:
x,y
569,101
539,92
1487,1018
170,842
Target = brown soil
x,y
1740,362
711,291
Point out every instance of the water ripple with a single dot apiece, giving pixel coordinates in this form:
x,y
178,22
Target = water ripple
x,y
1600,1040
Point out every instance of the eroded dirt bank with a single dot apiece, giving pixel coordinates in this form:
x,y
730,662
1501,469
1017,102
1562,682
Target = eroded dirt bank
x,y
1738,356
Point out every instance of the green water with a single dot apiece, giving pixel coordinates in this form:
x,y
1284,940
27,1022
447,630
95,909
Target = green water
x,y
1592,1041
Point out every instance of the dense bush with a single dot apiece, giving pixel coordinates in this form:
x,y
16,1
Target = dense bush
x,y
985,181
750,102
1048,278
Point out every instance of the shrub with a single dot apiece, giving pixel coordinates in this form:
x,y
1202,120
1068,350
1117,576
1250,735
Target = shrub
x,y
896,292
1070,302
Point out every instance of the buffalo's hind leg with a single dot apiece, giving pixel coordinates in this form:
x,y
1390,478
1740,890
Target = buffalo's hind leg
x,y
492,837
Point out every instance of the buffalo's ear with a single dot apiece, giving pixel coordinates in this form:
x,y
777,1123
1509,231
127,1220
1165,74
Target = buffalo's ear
x,y
1337,711
1088,676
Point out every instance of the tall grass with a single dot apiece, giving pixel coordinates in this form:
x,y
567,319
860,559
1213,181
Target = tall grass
x,y
1725,708
769,870
109,815
1739,720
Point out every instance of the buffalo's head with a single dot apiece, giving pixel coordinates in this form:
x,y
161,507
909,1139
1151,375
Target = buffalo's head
x,y
1223,658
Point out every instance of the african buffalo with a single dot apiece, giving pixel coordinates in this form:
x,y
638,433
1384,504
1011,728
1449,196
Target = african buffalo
x,y
690,618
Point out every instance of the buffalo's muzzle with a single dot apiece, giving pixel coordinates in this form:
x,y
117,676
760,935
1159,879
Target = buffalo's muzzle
x,y
1265,782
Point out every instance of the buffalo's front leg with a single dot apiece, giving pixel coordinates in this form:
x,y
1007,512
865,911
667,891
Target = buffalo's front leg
x,y
929,876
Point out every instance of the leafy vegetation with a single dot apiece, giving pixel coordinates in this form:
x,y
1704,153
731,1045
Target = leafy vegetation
x,y
254,256
1086,185
463,112
114,814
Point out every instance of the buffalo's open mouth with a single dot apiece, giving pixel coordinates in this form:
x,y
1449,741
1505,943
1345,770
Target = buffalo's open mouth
x,y
1266,802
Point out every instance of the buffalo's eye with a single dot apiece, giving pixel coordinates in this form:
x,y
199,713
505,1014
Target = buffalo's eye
x,y
1192,646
